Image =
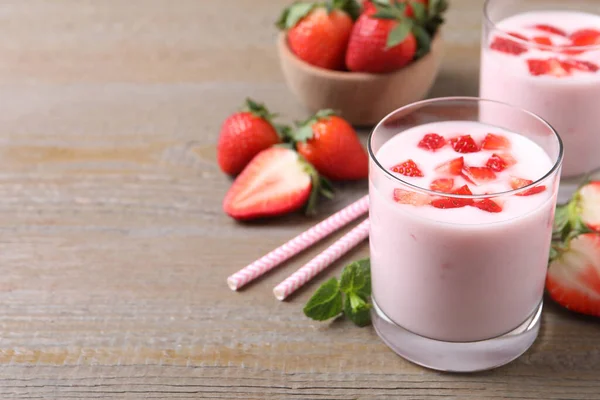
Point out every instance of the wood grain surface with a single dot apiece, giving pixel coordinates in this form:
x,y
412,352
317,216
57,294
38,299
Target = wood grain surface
x,y
113,247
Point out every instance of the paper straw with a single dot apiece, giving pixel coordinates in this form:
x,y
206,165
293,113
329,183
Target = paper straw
x,y
322,261
299,243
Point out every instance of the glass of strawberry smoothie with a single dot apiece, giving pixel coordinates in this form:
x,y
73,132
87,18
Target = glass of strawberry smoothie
x,y
461,208
544,56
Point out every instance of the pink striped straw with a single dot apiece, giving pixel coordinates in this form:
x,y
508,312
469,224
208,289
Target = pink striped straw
x,y
322,261
299,243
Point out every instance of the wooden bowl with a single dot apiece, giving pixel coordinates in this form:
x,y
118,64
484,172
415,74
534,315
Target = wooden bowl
x,y
362,99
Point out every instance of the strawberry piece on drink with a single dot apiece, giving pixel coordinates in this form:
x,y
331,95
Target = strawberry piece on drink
x,y
464,144
550,29
552,66
432,141
543,40
508,46
413,198
450,202
443,185
453,167
488,205
580,65
478,175
495,142
585,37
408,168
518,183
499,163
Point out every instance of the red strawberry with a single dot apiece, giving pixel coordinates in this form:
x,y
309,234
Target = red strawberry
x,y
573,279
330,144
478,175
499,163
508,46
443,185
449,202
518,183
244,135
589,204
585,66
543,40
380,45
432,141
412,198
452,167
551,66
275,182
464,144
408,168
550,29
317,35
518,36
585,37
495,142
488,205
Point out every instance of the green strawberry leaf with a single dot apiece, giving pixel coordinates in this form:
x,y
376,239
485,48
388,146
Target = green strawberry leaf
x,y
320,187
357,310
385,13
352,7
326,303
561,220
419,11
399,33
294,13
423,41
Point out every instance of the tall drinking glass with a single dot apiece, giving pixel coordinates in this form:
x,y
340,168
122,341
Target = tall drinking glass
x,y
461,207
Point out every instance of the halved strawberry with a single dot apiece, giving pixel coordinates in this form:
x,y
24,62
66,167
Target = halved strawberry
x,y
580,65
432,141
275,182
589,204
408,168
449,202
478,175
443,185
543,40
518,183
488,205
413,198
452,167
499,163
573,279
552,66
464,144
495,142
550,29
585,37
508,46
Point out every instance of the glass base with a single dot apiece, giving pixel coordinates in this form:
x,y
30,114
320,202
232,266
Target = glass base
x,y
457,356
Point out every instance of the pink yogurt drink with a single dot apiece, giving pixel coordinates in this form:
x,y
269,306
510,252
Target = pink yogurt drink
x,y
548,62
459,269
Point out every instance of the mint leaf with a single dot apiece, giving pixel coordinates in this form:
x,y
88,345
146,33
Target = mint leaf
x,y
365,266
357,310
326,302
353,279
399,33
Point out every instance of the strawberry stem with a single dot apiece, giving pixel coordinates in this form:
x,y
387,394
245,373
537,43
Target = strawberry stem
x,y
320,187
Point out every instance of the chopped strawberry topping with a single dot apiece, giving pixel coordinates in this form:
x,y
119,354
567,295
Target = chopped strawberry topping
x,y
408,168
444,185
495,142
585,37
464,144
412,198
518,35
499,163
508,46
432,141
550,29
543,40
448,202
452,167
585,66
551,66
478,175
518,183
488,205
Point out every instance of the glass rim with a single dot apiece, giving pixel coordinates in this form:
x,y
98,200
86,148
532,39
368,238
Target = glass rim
x,y
529,44
557,164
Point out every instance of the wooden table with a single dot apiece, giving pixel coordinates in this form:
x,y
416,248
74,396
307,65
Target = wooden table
x,y
114,249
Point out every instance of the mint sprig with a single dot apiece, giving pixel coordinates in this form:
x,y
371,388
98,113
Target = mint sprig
x,y
350,296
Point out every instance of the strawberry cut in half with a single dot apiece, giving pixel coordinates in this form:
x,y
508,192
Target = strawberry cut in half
x,y
432,142
488,205
550,29
495,142
442,185
499,163
505,45
277,181
552,67
585,37
573,279
450,202
589,204
408,168
464,144
478,175
412,198
518,183
453,167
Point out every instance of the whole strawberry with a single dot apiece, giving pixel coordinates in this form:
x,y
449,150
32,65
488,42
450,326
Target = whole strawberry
x,y
318,33
331,145
244,135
